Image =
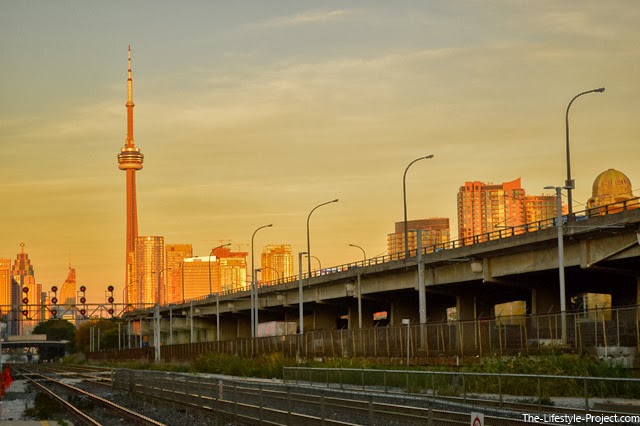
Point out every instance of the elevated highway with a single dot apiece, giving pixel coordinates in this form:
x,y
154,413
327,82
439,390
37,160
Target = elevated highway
x,y
601,255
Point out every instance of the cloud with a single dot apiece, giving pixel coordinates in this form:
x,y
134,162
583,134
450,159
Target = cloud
x,y
311,16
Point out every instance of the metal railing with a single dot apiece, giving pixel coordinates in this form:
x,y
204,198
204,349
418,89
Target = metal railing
x,y
501,388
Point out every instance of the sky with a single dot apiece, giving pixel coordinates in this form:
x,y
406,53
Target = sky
x,y
253,112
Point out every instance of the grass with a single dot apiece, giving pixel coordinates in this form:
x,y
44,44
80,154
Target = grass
x,y
551,363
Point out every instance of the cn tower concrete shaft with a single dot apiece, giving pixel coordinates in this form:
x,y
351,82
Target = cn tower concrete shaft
x,y
130,160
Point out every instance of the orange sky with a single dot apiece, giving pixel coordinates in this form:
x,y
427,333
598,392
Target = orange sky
x,y
250,114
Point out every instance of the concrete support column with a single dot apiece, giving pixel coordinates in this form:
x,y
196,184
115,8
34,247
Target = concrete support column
x,y
367,315
544,300
625,292
404,307
466,330
324,318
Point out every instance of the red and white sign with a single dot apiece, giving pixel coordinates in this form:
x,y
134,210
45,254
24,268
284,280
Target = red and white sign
x,y
477,419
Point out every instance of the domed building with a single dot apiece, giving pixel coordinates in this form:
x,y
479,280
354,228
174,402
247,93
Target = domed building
x,y
611,188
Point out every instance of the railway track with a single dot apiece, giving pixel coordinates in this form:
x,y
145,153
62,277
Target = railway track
x,y
267,402
64,393
241,401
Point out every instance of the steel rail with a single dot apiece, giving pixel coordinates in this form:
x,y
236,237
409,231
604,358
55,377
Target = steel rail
x,y
122,410
239,401
65,404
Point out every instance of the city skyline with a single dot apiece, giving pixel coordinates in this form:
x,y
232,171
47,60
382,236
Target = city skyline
x,y
251,114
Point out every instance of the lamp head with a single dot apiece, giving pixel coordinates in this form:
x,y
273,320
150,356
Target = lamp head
x,y
549,187
334,201
428,157
600,90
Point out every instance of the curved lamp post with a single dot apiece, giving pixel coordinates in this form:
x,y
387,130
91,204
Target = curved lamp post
x,y
308,243
404,195
274,270
569,183
319,263
254,288
364,254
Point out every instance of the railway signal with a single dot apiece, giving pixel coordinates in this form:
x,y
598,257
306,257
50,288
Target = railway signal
x,y
111,300
83,301
25,299
54,300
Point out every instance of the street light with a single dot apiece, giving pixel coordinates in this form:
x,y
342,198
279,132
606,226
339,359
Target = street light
x,y
157,336
563,300
300,307
364,255
569,183
404,195
308,252
274,270
319,263
254,288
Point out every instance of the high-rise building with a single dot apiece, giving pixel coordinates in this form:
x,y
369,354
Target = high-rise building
x,y
539,208
67,296
130,160
434,231
5,293
174,257
276,262
224,270
199,275
24,288
150,274
233,268
486,208
5,286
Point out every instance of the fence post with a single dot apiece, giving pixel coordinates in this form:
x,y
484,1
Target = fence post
x,y
539,395
586,396
289,405
464,389
261,403
235,401
407,374
618,325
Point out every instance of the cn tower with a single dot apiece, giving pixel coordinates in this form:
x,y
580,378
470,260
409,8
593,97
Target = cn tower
x,y
130,160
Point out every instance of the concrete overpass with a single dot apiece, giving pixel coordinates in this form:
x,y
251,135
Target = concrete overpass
x,y
601,253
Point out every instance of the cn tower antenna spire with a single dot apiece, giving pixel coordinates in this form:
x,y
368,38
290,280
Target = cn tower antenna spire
x,y
129,103
130,160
